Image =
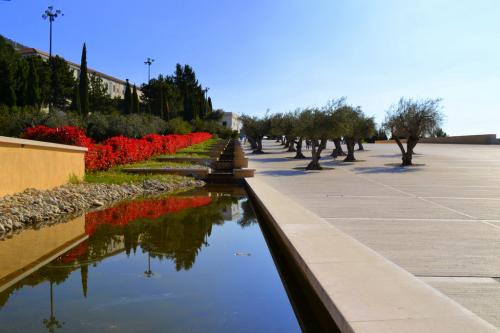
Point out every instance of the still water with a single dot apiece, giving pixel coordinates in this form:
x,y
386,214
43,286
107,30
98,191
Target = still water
x,y
195,262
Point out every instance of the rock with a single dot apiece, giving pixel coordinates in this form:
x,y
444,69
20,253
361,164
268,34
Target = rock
x,y
36,207
97,203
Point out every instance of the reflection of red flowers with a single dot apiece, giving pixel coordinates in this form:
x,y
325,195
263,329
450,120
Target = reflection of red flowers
x,y
117,150
123,214
76,253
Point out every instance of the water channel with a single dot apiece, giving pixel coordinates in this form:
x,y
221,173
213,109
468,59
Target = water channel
x,y
192,262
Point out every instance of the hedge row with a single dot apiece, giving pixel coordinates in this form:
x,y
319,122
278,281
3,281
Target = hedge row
x,y
117,150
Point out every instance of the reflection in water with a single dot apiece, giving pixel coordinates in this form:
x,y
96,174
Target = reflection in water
x,y
173,229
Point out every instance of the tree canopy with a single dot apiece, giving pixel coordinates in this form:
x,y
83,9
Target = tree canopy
x,y
411,119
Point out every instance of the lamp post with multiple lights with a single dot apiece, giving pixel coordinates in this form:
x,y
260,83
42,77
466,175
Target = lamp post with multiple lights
x,y
149,62
51,15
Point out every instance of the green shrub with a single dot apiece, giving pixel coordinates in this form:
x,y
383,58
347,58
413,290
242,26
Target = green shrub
x,y
178,126
102,126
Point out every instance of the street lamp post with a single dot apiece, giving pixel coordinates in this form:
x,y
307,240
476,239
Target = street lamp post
x,y
51,15
149,62
206,99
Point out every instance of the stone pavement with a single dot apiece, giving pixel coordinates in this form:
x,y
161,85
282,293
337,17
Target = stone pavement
x,y
439,220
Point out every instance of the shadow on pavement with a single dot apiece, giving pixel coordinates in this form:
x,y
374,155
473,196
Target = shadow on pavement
x,y
393,169
283,172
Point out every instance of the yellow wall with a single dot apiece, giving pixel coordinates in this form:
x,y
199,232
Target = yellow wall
x,y
37,165
28,250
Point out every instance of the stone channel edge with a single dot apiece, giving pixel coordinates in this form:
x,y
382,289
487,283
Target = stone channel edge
x,y
362,290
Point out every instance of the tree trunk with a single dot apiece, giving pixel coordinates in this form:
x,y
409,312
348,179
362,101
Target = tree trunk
x,y
350,150
405,156
291,148
317,148
299,154
258,150
337,151
406,159
287,143
360,145
253,143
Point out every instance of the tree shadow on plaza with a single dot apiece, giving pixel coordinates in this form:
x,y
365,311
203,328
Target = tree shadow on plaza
x,y
390,168
272,159
284,172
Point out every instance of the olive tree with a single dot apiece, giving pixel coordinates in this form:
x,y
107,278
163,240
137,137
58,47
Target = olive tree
x,y
318,126
299,121
255,129
276,129
412,119
290,130
355,126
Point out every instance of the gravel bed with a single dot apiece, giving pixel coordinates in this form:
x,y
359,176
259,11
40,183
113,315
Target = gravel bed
x,y
33,208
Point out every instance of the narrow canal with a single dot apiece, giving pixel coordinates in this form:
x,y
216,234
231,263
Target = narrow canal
x,y
194,262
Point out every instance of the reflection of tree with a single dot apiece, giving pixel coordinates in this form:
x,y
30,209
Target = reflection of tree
x,y
248,215
52,323
177,236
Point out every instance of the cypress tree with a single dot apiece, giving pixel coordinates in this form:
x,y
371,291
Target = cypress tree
x,y
84,83
210,109
76,104
8,66
33,89
21,76
135,101
162,104
127,99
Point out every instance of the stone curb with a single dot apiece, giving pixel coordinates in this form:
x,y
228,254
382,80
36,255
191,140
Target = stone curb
x,y
362,290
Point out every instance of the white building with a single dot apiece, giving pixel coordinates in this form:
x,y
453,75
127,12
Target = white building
x,y
231,120
116,87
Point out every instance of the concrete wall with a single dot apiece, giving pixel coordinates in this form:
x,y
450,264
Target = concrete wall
x,y
34,164
482,139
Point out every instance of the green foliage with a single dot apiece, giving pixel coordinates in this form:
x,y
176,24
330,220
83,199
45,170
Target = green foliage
x,y
102,126
414,118
14,120
22,82
61,82
135,100
99,99
33,93
83,85
178,95
214,128
439,133
8,68
209,108
178,126
75,100
127,100
74,179
215,115
114,176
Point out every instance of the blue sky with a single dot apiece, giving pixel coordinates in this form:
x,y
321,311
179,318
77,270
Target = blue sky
x,y
283,54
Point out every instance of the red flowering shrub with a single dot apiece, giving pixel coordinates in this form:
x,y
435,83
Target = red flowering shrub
x,y
117,150
67,135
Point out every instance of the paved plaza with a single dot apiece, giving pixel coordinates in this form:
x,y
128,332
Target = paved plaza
x,y
439,220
